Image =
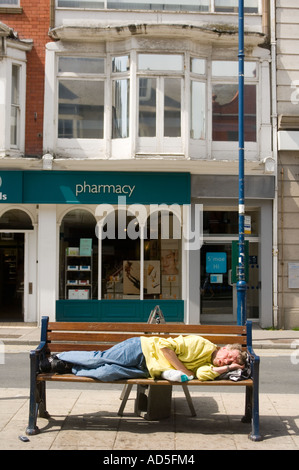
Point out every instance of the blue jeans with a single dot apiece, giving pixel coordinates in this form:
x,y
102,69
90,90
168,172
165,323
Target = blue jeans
x,y
124,360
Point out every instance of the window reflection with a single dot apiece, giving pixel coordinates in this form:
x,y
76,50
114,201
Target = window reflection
x,y
81,109
172,107
84,65
147,107
166,62
225,112
120,108
198,105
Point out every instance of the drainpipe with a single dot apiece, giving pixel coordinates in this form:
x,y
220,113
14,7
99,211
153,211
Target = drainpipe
x,y
241,283
275,154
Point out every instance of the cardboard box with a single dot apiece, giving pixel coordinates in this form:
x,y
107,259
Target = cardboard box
x,y
73,294
83,294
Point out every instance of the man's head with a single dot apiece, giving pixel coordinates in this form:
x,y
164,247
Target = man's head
x,y
229,354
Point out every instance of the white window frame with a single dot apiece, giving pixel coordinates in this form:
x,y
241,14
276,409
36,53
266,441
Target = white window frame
x,y
18,58
160,144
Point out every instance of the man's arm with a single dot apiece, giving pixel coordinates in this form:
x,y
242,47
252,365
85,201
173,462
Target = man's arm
x,y
172,358
222,369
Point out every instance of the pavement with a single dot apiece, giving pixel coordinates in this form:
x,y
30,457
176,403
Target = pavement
x,y
86,418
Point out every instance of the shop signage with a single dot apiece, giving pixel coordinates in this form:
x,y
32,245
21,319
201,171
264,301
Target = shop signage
x,y
11,187
77,187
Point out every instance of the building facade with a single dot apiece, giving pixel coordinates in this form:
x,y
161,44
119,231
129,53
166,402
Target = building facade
x,y
133,200
287,37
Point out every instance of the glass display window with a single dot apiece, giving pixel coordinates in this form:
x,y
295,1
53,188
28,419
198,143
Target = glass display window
x,y
78,276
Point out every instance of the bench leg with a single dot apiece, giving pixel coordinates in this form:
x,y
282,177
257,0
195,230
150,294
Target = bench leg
x,y
37,406
255,434
37,401
189,399
248,406
124,397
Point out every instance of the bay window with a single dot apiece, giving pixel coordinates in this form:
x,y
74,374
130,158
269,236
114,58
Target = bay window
x,y
96,94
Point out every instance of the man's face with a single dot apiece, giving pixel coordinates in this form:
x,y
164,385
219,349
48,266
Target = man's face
x,y
225,357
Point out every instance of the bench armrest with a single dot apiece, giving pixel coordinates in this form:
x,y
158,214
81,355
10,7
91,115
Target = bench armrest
x,y
40,351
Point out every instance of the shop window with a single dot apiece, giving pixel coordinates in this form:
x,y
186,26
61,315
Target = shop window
x,y
78,265
15,219
227,222
162,257
122,257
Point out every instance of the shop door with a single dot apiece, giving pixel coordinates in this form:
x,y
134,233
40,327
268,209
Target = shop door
x,y
11,276
216,290
218,296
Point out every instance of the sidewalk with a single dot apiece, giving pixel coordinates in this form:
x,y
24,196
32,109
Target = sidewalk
x,y
86,418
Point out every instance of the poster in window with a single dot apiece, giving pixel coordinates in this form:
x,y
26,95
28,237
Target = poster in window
x,y
152,283
131,276
170,261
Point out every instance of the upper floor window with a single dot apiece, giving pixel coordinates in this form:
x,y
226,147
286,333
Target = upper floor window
x,y
176,96
9,3
160,91
120,96
197,98
81,97
250,6
225,99
15,106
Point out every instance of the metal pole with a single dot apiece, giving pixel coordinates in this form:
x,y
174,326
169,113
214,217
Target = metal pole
x,y
241,283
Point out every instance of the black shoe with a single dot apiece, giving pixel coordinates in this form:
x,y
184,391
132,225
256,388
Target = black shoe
x,y
59,366
45,365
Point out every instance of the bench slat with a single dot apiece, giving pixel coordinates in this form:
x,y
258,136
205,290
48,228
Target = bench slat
x,y
147,327
118,337
52,377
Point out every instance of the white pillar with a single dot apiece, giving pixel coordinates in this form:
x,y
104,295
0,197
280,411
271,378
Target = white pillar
x,y
47,246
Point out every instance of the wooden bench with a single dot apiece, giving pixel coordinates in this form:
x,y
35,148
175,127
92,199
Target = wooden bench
x,y
66,336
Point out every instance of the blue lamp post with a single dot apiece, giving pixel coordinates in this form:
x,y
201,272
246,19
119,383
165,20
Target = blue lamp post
x,y
241,283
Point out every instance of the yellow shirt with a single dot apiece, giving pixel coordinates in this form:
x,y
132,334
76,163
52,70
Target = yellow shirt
x,y
193,351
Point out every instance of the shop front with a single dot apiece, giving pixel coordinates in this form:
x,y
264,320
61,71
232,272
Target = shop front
x,y
217,262
109,246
